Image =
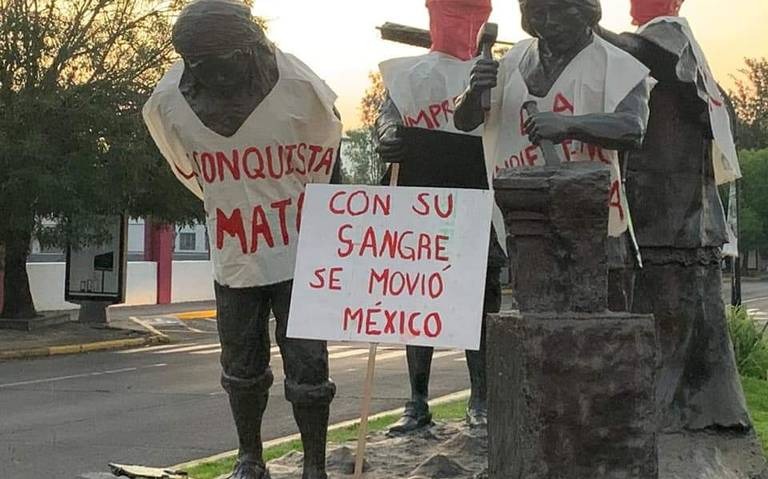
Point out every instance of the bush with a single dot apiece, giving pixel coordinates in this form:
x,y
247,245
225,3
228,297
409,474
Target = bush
x,y
750,343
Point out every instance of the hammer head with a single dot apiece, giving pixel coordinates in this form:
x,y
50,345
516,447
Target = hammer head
x,y
486,37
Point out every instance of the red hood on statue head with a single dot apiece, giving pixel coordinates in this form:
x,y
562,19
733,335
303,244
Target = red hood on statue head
x,y
643,11
454,24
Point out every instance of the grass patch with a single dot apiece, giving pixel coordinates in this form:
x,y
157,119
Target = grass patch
x,y
750,343
452,411
756,392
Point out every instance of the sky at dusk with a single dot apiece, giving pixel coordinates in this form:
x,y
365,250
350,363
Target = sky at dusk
x,y
339,41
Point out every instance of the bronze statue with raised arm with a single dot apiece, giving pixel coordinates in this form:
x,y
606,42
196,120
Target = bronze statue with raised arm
x,y
415,129
672,187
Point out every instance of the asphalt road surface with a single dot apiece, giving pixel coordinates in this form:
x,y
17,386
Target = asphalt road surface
x,y
67,417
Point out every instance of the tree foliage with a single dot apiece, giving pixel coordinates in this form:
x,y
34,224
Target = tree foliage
x,y
362,164
372,100
754,204
750,100
74,75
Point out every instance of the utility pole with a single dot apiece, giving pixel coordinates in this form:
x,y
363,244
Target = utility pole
x,y
736,260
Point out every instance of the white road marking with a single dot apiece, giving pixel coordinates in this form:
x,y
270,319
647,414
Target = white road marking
x,y
753,300
272,351
396,354
195,330
153,348
461,360
189,348
446,354
348,354
77,376
338,348
160,321
208,351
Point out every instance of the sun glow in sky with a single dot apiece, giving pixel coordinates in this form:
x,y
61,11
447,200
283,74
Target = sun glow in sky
x,y
339,41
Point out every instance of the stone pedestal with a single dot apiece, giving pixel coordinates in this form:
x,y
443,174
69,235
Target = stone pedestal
x,y
571,396
571,385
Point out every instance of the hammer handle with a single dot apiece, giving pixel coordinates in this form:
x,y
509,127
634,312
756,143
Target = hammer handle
x,y
485,96
551,157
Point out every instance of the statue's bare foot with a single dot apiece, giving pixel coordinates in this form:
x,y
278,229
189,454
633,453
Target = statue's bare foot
x,y
415,417
249,470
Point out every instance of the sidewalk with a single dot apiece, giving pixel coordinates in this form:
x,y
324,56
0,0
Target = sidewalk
x,y
755,278
123,331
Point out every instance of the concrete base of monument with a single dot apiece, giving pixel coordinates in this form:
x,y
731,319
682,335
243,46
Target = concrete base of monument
x,y
441,451
453,451
570,395
711,454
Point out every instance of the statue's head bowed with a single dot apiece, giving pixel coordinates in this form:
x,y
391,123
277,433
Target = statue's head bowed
x,y
215,27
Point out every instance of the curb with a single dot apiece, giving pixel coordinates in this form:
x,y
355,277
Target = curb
x,y
83,348
341,425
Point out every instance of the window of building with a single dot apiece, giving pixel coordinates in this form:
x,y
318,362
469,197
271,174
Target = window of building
x,y
187,241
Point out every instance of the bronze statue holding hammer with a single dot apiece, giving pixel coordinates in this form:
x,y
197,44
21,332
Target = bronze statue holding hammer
x,y
593,99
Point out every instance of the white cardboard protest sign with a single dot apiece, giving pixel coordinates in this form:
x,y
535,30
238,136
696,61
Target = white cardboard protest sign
x,y
391,265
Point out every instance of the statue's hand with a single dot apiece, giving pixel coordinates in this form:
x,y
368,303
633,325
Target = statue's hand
x,y
391,147
483,75
547,126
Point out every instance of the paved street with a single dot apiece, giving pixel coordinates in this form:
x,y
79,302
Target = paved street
x,y
67,417
755,298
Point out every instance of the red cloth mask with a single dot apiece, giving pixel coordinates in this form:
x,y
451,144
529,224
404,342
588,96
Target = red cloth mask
x,y
643,11
454,25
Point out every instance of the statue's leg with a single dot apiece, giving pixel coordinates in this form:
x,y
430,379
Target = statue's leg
x,y
697,383
711,393
477,409
308,386
242,319
416,413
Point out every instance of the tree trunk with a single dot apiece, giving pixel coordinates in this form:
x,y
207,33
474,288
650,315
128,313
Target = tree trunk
x,y
2,275
17,296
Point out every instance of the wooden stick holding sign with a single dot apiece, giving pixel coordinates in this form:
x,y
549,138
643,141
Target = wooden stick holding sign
x,y
365,408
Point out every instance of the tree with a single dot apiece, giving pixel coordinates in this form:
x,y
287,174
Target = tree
x,y
754,203
362,163
374,96
750,100
74,75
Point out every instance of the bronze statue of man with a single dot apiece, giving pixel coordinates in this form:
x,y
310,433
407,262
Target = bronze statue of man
x,y
592,97
245,127
415,129
672,187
